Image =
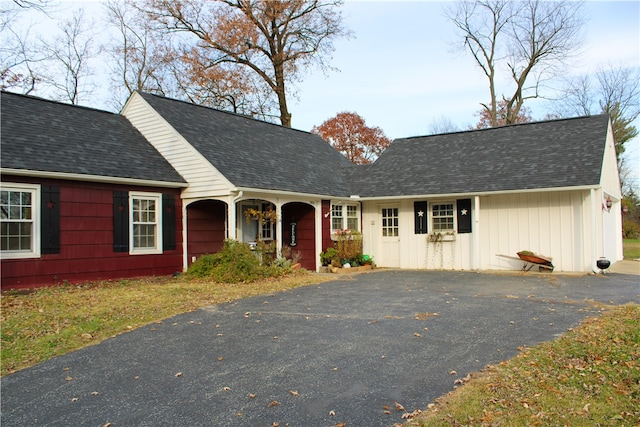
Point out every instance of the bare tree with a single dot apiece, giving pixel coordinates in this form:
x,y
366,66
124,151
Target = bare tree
x,y
528,40
613,90
19,58
442,125
140,56
19,55
274,39
68,69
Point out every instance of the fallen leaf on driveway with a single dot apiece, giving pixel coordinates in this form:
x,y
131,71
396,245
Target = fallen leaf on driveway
x,y
273,403
178,374
425,316
294,393
413,414
398,406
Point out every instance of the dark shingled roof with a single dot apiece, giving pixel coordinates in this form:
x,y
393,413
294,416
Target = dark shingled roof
x,y
549,154
46,136
255,154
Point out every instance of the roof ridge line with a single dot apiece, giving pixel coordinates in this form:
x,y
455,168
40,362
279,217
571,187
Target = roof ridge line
x,y
62,103
505,126
243,116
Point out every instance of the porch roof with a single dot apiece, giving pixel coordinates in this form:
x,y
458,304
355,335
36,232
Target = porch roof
x,y
255,154
538,155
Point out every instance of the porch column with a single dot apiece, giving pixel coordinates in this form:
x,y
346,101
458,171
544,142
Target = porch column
x,y
278,228
185,252
318,208
231,217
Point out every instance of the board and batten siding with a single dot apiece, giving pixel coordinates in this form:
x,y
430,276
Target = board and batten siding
x,y
203,179
555,224
414,250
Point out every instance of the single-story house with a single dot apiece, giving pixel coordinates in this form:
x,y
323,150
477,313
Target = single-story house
x,y
88,194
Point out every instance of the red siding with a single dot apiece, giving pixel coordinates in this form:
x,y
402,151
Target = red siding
x,y
86,240
304,216
206,229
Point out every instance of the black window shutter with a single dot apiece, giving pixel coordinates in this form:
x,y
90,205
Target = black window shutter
x,y
464,215
420,217
50,219
168,222
120,221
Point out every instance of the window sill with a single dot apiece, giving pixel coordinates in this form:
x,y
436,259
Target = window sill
x,y
19,255
336,236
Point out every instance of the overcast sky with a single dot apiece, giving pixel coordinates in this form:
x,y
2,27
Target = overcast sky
x,y
402,70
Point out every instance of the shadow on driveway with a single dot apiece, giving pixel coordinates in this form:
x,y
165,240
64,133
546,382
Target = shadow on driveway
x,y
338,352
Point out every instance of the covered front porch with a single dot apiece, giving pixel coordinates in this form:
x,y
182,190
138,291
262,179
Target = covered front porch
x,y
291,226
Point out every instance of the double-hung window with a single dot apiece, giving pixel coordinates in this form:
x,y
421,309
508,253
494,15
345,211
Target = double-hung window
x,y
146,220
19,221
442,217
344,217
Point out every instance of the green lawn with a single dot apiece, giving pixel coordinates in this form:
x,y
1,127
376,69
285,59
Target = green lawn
x,y
631,248
42,323
588,377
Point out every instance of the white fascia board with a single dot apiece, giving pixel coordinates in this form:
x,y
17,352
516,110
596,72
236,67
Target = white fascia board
x,y
291,194
92,178
479,193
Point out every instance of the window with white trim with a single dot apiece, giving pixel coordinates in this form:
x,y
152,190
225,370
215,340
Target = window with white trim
x,y
146,218
345,217
442,215
19,221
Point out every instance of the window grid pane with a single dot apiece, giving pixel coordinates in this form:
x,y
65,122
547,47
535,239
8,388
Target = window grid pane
x,y
16,230
144,223
442,217
390,222
352,218
337,221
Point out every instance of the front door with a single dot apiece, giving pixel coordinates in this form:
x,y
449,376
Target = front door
x,y
390,237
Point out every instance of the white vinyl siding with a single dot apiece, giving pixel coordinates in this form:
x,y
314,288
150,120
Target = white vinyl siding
x,y
204,179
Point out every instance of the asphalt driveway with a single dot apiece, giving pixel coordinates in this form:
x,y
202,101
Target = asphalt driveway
x,y
339,352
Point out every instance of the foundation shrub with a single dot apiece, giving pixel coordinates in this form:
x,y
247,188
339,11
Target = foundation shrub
x,y
235,263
